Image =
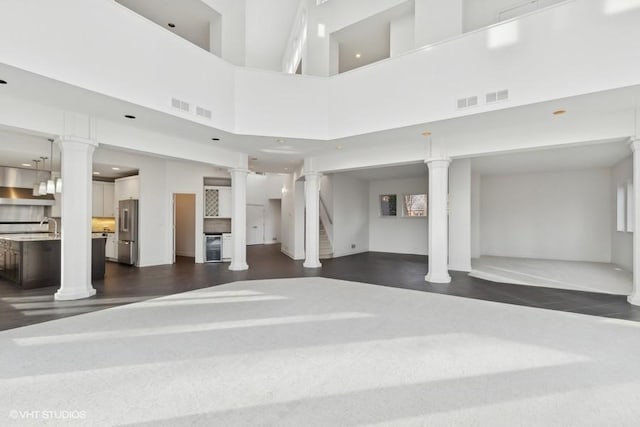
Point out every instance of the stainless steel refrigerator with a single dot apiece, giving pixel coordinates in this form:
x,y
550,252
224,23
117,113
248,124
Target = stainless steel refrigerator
x,y
128,232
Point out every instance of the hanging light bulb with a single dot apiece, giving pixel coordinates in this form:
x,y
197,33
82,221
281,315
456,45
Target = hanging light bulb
x,y
36,186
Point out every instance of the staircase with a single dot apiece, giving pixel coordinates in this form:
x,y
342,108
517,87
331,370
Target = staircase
x,y
326,251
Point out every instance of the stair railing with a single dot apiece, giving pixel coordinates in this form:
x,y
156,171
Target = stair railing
x,y
326,221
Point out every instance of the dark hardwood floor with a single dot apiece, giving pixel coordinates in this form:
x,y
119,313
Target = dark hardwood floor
x,y
124,285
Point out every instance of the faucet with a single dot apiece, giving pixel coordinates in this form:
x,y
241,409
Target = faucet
x,y
55,224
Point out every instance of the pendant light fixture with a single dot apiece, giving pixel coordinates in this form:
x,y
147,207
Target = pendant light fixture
x,y
51,185
43,184
36,186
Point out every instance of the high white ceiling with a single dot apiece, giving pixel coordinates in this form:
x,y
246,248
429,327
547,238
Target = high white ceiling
x,y
190,17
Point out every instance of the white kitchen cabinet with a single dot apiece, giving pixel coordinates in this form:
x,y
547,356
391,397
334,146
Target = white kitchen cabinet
x,y
217,202
102,201
97,199
127,188
109,196
111,249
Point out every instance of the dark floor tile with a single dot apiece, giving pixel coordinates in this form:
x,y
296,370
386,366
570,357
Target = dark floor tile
x,y
267,262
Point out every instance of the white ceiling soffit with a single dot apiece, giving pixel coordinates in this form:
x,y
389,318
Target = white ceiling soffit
x,y
589,156
191,18
413,170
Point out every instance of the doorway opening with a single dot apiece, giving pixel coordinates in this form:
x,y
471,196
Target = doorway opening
x,y
184,226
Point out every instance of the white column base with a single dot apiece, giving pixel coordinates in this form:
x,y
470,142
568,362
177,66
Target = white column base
x,y
634,300
433,278
311,264
239,267
63,295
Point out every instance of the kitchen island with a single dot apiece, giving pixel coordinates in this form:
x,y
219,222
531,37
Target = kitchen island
x,y
33,260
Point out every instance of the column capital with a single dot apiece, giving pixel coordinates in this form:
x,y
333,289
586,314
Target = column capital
x,y
239,170
441,162
63,140
313,175
634,143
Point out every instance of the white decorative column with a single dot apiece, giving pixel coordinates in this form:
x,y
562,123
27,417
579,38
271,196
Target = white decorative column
x,y
634,298
438,220
239,219
312,202
77,168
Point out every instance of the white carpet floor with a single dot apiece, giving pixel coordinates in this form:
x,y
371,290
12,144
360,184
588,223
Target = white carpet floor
x,y
574,275
321,352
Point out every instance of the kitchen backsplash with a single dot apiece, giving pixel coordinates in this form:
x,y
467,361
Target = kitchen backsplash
x,y
99,225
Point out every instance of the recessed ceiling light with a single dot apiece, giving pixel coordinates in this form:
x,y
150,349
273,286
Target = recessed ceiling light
x,y
426,133
215,139
171,25
129,116
27,165
339,147
358,55
286,169
115,169
96,173
3,82
280,141
559,112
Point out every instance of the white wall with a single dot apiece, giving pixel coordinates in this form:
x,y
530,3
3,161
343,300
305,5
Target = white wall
x,y
437,20
402,35
185,221
621,241
273,222
259,102
475,215
396,234
350,215
292,226
481,13
159,180
554,215
460,215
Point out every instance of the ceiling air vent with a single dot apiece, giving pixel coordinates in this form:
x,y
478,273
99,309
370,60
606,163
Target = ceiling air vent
x,y
501,95
180,105
203,112
472,101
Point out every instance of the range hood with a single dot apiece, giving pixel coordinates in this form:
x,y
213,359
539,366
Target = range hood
x,y
16,187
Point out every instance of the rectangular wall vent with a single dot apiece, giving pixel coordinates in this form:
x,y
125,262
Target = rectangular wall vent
x,y
472,101
203,112
501,95
180,105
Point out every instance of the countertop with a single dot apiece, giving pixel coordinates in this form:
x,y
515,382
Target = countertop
x,y
39,237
